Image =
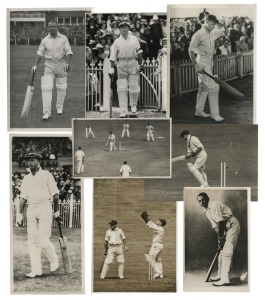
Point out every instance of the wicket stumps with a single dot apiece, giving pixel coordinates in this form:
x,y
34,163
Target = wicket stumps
x,y
223,174
150,268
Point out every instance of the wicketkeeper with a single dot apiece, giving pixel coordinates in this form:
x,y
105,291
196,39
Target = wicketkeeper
x,y
56,49
154,256
113,245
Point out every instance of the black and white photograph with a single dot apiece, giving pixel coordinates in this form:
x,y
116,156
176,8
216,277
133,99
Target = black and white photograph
x,y
46,221
212,63
46,63
209,156
122,148
216,240
134,241
126,60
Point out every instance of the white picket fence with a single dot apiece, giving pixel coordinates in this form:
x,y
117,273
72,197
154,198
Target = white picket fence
x,y
153,86
70,210
184,78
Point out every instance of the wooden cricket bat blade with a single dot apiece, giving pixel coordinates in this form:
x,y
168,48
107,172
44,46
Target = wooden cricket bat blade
x,y
178,158
230,89
226,87
27,102
211,267
65,255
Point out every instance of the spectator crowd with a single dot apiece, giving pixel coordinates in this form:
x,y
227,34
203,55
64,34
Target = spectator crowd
x,y
49,148
74,33
239,35
103,29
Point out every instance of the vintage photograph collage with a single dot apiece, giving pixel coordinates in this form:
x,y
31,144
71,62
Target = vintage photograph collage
x,y
155,108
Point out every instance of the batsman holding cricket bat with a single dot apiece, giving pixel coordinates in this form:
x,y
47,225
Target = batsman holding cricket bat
x,y
201,51
227,228
113,245
38,189
56,49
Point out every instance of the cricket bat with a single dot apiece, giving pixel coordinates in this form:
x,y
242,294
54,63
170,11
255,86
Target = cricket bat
x,y
65,253
226,87
28,98
178,158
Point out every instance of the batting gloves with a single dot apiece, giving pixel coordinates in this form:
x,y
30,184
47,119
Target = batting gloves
x,y
67,68
198,68
57,217
34,69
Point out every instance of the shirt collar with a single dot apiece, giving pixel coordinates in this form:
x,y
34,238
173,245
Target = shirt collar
x,y
204,29
40,169
58,34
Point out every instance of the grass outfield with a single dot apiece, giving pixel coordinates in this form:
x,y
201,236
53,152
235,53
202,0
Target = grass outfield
x,y
21,61
55,282
123,200
237,145
146,159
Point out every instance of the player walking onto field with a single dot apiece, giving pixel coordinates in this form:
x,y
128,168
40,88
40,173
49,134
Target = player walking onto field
x,y
195,148
125,170
80,157
39,189
202,44
154,256
125,129
89,131
126,51
113,246
111,141
227,229
150,132
57,52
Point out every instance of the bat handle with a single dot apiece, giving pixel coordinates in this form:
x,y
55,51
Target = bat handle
x,y
60,230
32,78
211,76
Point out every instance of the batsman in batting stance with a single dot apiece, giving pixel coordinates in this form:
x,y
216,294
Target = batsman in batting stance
x,y
56,49
39,189
149,132
111,140
154,256
113,245
127,53
201,51
196,148
227,228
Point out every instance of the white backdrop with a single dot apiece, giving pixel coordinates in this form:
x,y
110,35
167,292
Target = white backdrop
x,y
257,209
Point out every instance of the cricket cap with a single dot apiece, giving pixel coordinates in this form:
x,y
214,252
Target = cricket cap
x,y
184,132
34,155
113,222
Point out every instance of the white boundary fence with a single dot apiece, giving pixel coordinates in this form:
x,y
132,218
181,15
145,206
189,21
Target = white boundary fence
x,y
153,90
184,78
70,210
